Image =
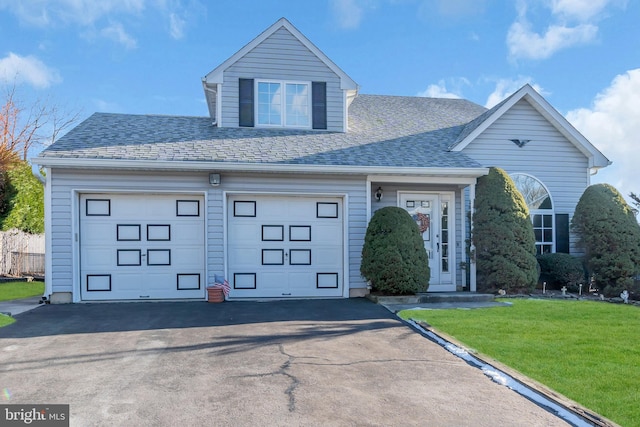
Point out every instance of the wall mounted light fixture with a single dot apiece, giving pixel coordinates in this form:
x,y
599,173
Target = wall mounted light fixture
x,y
378,194
214,179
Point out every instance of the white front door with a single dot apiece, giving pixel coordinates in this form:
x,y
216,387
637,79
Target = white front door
x,y
434,214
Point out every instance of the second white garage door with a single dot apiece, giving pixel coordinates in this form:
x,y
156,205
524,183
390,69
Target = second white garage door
x,y
285,246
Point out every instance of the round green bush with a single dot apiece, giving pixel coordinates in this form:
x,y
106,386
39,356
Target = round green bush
x,y
560,270
610,237
394,259
503,235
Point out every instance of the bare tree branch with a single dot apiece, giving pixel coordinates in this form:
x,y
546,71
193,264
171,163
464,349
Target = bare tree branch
x,y
23,129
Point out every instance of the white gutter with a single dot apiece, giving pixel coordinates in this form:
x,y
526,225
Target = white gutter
x,y
39,176
80,163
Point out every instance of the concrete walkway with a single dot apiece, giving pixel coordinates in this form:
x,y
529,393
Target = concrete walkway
x,y
464,305
19,306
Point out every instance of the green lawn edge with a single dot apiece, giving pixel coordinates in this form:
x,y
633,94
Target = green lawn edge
x,y
18,290
6,320
587,351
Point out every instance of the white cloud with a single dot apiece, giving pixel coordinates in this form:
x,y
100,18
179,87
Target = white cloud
x,y
612,125
570,23
525,43
348,13
117,33
27,69
105,106
90,15
582,10
506,87
176,26
440,90
62,12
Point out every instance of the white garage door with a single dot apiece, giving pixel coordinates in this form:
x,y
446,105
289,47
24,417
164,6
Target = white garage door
x,y
137,247
285,246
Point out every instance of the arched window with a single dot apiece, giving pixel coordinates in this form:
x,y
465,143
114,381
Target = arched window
x,y
540,207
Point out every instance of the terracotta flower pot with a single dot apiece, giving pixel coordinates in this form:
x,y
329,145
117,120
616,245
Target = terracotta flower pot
x,y
215,295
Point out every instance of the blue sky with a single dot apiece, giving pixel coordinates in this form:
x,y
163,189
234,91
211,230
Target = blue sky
x,y
147,57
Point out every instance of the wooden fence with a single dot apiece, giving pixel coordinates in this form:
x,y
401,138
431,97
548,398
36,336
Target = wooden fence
x,y
21,254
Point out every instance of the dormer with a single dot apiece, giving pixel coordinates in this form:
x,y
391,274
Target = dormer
x,y
280,80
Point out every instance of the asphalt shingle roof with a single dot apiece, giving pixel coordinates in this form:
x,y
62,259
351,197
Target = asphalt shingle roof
x,y
383,131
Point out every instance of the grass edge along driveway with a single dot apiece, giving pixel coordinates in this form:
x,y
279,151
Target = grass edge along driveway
x,y
588,351
17,290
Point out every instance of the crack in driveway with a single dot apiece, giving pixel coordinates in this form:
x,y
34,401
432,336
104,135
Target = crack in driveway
x,y
284,371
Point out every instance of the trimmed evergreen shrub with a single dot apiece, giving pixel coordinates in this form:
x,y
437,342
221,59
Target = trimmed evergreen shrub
x,y
24,198
394,259
503,235
560,270
610,237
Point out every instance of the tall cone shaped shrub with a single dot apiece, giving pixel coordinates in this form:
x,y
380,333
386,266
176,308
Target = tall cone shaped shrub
x,y
394,259
610,237
503,235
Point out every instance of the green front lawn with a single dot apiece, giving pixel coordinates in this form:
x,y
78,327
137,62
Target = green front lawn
x,y
587,351
16,290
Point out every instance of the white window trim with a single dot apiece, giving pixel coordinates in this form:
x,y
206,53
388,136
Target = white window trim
x,y
283,116
553,227
551,212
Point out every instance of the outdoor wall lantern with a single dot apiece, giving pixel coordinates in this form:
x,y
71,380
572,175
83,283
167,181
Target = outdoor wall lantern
x,y
378,194
214,179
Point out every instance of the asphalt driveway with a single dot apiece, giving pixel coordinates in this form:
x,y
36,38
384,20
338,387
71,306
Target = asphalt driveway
x,y
287,363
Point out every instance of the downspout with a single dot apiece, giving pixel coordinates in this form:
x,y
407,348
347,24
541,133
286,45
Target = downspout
x,y
39,176
472,248
210,92
48,263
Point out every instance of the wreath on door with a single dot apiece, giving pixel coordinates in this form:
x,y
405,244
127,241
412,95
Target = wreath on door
x,y
423,221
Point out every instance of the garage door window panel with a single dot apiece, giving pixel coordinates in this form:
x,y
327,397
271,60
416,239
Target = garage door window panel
x,y
129,257
272,233
300,257
244,280
300,233
246,209
272,257
326,210
187,208
98,207
188,282
98,282
128,232
326,280
158,257
159,232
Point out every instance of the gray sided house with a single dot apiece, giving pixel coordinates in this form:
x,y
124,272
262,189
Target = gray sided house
x,y
274,189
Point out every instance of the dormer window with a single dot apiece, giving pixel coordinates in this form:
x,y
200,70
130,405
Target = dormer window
x,y
283,103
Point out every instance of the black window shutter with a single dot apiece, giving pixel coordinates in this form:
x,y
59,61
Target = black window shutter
x,y
562,233
245,96
319,105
